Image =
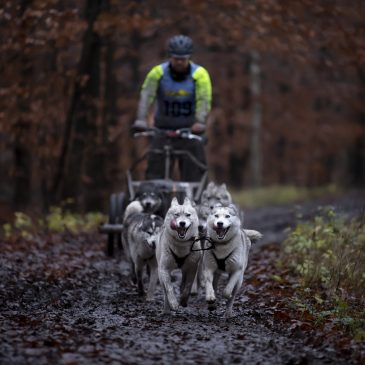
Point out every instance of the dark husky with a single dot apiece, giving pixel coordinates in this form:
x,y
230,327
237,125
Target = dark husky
x,y
138,238
150,198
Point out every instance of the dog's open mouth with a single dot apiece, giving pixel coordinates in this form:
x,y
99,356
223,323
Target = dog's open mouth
x,y
181,231
221,232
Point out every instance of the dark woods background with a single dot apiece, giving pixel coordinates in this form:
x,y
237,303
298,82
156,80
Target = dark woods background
x,y
288,80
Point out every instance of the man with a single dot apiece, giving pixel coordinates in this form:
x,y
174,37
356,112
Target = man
x,y
183,93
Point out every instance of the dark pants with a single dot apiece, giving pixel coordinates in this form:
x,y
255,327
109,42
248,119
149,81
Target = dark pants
x,y
188,170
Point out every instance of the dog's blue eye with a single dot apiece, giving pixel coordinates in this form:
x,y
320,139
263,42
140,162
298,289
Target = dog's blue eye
x,y
228,216
176,214
216,215
188,214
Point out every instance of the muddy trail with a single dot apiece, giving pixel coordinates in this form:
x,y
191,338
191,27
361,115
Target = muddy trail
x,y
64,302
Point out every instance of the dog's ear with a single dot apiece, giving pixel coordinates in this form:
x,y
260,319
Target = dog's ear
x,y
187,201
174,202
233,209
210,185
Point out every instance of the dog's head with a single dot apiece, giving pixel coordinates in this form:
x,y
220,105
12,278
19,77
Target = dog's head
x,y
153,238
182,220
203,212
149,197
150,226
223,223
216,194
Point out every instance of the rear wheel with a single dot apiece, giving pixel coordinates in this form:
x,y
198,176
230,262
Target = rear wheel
x,y
121,203
112,220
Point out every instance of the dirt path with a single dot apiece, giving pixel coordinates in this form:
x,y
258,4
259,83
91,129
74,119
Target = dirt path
x,y
64,302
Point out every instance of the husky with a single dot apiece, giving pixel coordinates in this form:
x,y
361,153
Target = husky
x,y
216,194
212,196
230,246
150,198
174,251
140,230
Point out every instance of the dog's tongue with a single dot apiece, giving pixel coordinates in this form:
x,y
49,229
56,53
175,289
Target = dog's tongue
x,y
173,224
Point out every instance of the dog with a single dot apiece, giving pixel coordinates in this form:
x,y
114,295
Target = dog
x,y
150,198
174,251
215,194
230,246
139,234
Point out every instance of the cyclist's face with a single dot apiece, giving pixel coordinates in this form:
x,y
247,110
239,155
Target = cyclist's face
x,y
179,64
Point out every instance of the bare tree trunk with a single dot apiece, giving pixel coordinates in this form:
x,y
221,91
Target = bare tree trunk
x,y
67,182
22,155
255,148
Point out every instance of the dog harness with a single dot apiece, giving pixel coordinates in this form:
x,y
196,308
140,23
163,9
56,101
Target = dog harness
x,y
221,263
179,260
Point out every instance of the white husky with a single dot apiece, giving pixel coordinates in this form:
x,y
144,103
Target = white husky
x,y
173,251
229,253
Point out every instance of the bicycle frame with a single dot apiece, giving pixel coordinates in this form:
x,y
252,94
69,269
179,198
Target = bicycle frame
x,y
172,186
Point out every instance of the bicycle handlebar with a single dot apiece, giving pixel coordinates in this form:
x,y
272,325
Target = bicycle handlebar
x,y
184,133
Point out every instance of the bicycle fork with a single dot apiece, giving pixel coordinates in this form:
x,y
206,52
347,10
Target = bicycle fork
x,y
167,149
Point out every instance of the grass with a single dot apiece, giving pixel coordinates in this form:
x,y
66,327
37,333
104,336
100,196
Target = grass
x,y
278,195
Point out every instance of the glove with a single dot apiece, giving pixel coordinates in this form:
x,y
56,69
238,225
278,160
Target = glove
x,y
139,126
198,128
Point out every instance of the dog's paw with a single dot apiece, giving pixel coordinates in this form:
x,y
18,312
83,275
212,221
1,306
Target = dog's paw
x,y
174,305
211,303
228,314
227,293
212,306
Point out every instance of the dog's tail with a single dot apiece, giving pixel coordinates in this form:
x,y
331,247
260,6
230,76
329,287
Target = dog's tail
x,y
133,207
254,236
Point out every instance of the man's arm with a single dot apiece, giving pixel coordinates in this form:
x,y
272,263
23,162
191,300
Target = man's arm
x,y
148,92
203,94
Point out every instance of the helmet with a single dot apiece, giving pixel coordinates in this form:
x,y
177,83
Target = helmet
x,y
180,45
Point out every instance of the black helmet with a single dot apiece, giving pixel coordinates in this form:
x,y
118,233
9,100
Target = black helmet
x,y
180,45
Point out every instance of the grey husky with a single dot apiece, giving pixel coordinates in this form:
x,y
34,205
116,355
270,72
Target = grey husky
x,y
216,194
213,195
173,251
138,239
229,253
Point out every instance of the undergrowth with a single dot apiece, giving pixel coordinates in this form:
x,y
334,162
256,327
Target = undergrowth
x,y
328,254
60,219
276,195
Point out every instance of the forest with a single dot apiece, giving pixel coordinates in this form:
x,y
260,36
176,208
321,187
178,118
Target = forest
x,y
288,89
285,136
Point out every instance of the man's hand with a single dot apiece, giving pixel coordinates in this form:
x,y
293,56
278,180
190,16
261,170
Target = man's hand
x,y
139,126
198,128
